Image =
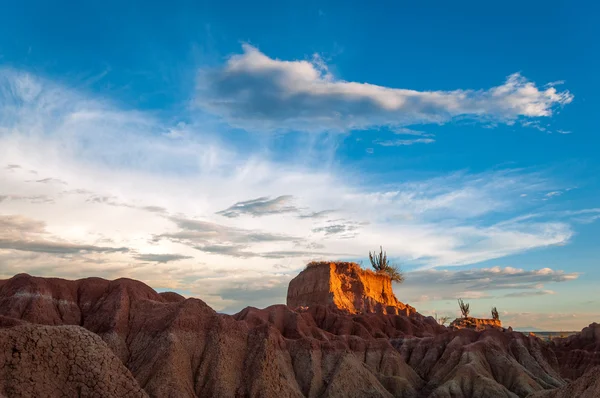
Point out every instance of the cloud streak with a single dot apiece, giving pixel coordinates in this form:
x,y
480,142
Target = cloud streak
x,y
161,258
491,278
480,283
405,142
260,207
24,234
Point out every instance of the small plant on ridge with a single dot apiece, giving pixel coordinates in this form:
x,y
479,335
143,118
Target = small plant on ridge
x,y
495,315
464,308
380,263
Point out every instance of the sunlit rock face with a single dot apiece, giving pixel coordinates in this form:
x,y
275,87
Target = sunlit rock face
x,y
475,323
346,287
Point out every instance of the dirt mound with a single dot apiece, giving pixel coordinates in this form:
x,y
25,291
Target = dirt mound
x,y
347,287
44,361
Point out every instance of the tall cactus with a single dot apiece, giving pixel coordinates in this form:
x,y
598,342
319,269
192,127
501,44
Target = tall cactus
x,y
495,314
380,263
464,308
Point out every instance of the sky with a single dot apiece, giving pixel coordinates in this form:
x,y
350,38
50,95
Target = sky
x,y
215,149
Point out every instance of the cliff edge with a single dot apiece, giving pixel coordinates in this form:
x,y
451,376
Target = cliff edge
x,y
346,287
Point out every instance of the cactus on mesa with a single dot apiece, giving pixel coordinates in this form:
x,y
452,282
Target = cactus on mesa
x,y
464,308
495,314
380,263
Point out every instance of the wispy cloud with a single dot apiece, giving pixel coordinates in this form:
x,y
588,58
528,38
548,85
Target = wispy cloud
x,y
161,258
534,124
197,231
530,294
316,214
407,131
254,90
405,142
24,234
241,251
227,250
548,320
553,194
261,207
491,278
341,229
481,283
56,247
28,198
51,181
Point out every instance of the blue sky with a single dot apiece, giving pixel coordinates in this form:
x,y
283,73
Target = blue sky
x,y
215,149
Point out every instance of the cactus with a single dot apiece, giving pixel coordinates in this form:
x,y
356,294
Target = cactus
x,y
464,308
495,315
380,263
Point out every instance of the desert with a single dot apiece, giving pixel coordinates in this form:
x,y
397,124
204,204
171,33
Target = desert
x,y
345,335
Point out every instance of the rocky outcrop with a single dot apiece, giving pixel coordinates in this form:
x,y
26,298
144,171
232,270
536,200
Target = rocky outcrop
x,y
475,323
346,287
176,347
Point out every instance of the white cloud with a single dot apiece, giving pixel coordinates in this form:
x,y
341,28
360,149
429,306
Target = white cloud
x,y
253,90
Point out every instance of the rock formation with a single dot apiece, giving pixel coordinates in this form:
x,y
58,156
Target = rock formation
x,y
346,287
475,323
94,337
